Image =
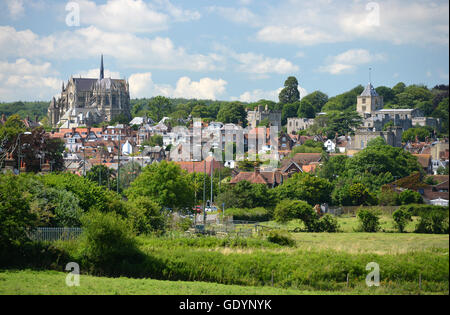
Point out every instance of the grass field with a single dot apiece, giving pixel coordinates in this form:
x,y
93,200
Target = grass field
x,y
319,263
31,282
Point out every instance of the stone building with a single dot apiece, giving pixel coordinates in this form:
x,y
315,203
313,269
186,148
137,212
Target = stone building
x,y
375,117
296,124
260,113
85,102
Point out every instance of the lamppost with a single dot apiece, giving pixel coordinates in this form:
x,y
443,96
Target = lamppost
x,y
118,164
100,167
20,150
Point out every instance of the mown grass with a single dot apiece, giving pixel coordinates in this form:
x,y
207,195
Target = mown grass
x,y
48,282
30,282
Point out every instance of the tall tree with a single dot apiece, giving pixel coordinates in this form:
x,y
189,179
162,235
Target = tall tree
x,y
290,93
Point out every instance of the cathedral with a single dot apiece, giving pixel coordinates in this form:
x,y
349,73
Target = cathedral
x,y
86,102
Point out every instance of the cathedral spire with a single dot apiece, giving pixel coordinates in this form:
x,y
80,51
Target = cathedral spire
x,y
102,71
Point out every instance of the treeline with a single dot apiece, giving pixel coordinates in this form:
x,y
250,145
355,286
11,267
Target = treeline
x,y
25,109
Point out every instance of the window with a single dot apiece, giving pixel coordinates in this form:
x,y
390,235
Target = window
x,y
364,100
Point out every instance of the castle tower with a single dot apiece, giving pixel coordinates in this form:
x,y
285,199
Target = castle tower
x,y
369,101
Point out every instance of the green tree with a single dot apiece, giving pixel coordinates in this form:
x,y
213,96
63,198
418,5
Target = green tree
x,y
289,110
15,215
287,210
166,184
306,109
401,218
303,186
316,99
290,93
233,113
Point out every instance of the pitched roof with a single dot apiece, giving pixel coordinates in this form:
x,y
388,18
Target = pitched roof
x,y
369,91
423,159
302,159
256,177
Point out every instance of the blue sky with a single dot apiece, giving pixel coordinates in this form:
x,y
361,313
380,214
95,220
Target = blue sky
x,y
227,50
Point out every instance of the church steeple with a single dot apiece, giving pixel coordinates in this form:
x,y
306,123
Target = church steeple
x,y
102,71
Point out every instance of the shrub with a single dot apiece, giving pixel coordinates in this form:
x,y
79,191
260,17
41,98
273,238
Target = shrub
x,y
15,216
107,241
145,215
327,223
255,214
369,220
280,238
388,198
401,218
433,222
407,197
288,210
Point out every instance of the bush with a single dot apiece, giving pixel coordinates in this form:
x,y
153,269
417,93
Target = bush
x,y
401,218
369,220
433,222
388,198
107,241
15,215
255,214
288,210
327,223
407,197
145,215
280,238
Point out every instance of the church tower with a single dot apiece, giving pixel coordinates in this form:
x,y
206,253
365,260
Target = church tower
x,y
369,101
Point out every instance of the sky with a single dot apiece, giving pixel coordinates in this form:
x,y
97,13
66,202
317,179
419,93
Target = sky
x,y
221,49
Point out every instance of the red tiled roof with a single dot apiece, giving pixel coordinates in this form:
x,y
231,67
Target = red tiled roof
x,y
423,159
256,177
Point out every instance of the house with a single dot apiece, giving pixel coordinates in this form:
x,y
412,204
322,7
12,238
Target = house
x,y
297,163
330,146
425,161
270,179
209,165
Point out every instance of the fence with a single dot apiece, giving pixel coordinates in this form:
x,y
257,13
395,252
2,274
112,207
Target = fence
x,y
47,234
352,210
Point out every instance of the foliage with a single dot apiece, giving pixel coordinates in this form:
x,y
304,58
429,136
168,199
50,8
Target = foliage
x,y
419,133
434,221
369,220
145,215
256,214
15,215
407,197
280,237
287,210
401,218
165,183
233,113
290,93
89,194
247,195
336,123
328,224
153,141
107,240
304,186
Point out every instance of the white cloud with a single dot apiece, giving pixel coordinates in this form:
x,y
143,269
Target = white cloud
x,y
256,64
348,61
237,15
257,95
30,81
83,43
16,8
325,21
142,85
134,16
